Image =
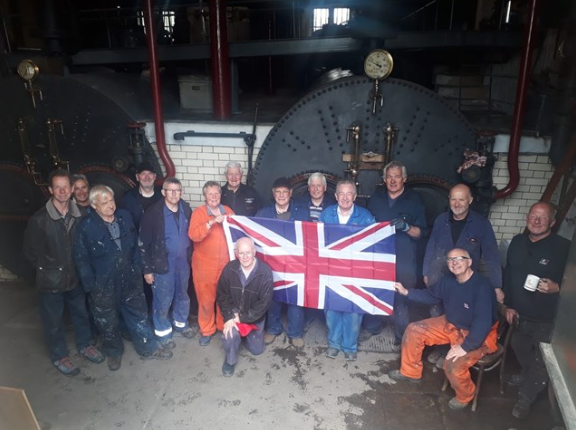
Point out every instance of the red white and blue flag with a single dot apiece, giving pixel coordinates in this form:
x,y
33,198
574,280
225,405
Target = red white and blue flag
x,y
324,266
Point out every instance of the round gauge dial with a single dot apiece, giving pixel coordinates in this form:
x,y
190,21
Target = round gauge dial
x,y
27,70
378,64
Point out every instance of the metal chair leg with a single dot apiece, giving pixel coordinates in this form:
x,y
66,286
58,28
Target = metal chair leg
x,y
478,384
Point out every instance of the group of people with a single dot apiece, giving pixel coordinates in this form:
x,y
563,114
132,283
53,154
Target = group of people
x,y
87,251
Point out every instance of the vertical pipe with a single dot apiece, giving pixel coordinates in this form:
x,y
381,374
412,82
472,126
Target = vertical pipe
x,y
520,103
155,84
219,59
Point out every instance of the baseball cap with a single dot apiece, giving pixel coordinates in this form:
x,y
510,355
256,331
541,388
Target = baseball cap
x,y
145,165
282,183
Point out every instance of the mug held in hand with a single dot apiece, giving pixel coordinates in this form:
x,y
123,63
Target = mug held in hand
x,y
531,283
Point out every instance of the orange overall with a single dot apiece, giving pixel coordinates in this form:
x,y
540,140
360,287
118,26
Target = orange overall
x,y
438,331
209,258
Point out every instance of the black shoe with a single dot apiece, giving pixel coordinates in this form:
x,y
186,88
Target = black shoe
x,y
204,340
114,363
397,376
515,380
350,356
332,353
167,343
228,369
522,408
188,332
159,354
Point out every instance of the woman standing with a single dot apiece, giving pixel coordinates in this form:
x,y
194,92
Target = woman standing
x,y
209,258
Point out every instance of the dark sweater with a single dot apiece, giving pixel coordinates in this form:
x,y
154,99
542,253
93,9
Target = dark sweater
x,y
470,306
545,259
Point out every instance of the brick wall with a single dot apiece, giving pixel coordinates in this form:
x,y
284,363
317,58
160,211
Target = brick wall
x,y
508,216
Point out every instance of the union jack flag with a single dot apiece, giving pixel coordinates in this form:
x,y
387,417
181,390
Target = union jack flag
x,y
324,266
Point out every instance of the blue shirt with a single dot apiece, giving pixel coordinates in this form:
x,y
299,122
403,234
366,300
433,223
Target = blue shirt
x,y
360,216
315,211
297,212
477,237
410,208
470,305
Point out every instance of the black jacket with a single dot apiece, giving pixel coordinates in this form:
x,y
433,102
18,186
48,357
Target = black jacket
x,y
131,201
152,242
49,246
250,302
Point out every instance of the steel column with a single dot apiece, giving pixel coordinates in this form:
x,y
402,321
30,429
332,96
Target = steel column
x,y
219,59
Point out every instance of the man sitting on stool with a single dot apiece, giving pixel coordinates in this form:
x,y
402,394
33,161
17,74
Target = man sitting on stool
x,y
244,295
469,326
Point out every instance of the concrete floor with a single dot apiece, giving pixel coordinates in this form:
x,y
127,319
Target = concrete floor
x,y
282,389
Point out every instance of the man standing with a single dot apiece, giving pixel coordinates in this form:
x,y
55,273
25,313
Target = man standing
x,y
48,244
344,327
244,295
166,253
317,199
110,267
469,326
80,191
541,253
404,209
241,198
140,198
285,209
461,228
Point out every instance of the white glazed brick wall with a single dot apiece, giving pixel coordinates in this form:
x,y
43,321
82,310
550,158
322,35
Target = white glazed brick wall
x,y
508,216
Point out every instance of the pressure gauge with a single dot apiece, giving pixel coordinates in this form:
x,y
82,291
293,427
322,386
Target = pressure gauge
x,y
28,70
378,64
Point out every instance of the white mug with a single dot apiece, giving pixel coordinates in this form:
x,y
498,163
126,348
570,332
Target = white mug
x,y
531,283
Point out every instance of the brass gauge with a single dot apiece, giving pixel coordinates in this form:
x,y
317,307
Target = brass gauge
x,y
28,70
378,64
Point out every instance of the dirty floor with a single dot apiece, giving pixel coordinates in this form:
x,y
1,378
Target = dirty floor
x,y
284,388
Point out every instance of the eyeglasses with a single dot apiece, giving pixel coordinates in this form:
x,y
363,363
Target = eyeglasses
x,y
172,191
459,258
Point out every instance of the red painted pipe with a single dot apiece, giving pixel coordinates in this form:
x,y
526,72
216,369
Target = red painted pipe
x,y
219,59
155,84
520,103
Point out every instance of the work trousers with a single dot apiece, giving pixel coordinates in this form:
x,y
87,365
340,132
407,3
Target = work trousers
x,y
52,312
525,342
343,330
254,343
295,316
171,289
438,331
124,296
209,316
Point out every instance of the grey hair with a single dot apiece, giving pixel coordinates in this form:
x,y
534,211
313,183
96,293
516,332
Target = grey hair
x,y
173,180
346,182
396,165
317,175
233,165
211,184
80,177
99,191
245,238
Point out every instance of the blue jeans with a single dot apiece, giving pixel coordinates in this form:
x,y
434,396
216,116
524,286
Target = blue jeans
x,y
124,296
52,311
295,315
343,330
171,289
254,343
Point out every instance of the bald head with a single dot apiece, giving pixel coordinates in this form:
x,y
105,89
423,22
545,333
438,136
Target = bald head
x,y
460,264
460,200
246,253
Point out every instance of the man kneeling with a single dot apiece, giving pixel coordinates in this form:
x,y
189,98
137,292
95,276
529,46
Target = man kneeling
x,y
244,295
469,326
